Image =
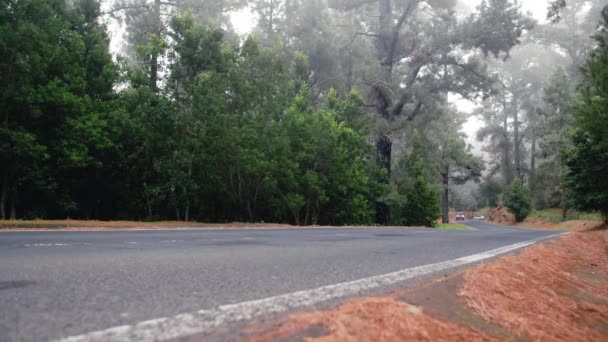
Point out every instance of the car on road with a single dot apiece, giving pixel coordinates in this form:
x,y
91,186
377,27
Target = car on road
x,y
479,218
460,216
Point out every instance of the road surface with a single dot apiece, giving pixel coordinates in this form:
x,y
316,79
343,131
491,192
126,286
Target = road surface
x,y
59,284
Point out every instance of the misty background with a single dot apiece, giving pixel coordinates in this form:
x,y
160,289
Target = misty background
x,y
244,21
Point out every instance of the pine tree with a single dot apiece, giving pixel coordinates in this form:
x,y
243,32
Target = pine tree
x,y
587,160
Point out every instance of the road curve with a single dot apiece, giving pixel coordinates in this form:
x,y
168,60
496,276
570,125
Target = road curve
x,y
59,284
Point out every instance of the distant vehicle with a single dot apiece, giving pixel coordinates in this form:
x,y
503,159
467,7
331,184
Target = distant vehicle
x,y
480,218
460,216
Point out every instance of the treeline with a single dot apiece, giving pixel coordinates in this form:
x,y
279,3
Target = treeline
x,y
193,122
532,124
330,112
232,135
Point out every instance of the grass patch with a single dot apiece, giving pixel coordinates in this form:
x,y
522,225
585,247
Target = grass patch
x,y
452,226
555,215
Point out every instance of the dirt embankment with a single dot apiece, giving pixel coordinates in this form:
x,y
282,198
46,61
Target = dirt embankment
x,y
501,215
557,291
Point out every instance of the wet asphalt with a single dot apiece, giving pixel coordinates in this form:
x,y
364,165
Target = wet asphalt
x,y
59,284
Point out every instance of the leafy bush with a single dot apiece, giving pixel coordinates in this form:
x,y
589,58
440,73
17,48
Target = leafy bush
x,y
416,202
517,199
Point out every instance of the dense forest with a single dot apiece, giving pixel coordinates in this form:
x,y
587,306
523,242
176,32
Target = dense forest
x,y
329,112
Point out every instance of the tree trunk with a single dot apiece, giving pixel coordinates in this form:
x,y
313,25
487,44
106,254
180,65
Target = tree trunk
x,y
307,212
13,200
533,159
178,215
5,185
386,44
149,207
349,74
384,147
445,199
384,143
386,30
506,151
3,196
516,143
155,56
187,210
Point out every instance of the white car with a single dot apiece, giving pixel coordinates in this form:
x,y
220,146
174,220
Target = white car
x,y
479,218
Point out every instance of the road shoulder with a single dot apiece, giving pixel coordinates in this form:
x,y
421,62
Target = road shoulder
x,y
556,290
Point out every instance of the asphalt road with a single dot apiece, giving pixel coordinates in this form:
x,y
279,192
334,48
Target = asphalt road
x,y
59,284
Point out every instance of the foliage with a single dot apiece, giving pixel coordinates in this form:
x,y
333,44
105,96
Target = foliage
x,y
553,123
231,132
491,189
55,91
198,123
517,200
497,27
415,202
587,160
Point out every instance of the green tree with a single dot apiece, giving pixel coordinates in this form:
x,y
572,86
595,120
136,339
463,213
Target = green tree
x,y
420,207
197,85
331,179
56,88
415,201
491,189
517,200
554,122
455,162
587,160
420,57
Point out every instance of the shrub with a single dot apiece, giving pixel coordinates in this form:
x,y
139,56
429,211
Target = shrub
x,y
420,205
517,199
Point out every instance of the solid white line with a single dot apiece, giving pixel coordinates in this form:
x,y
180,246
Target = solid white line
x,y
185,325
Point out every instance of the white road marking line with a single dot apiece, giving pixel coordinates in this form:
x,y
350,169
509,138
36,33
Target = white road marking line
x,y
46,245
185,325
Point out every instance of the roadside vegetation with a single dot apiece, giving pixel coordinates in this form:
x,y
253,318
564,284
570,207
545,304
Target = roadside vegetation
x,y
517,199
452,226
555,215
326,113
